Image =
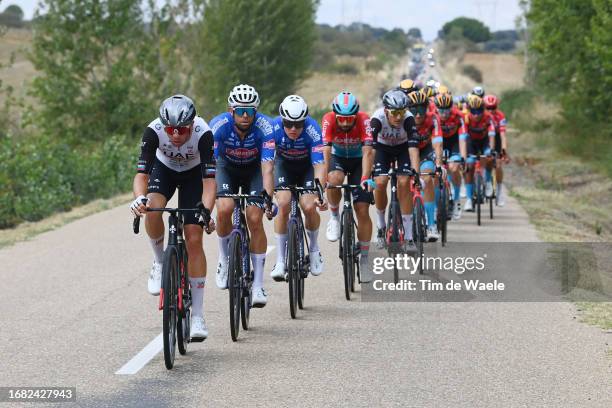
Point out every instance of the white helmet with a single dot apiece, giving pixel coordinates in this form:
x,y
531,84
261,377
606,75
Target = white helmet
x,y
293,108
431,83
243,95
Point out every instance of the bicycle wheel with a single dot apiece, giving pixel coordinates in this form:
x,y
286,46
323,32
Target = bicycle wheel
x,y
292,267
419,226
491,199
245,299
234,276
442,216
170,271
347,261
394,235
302,268
479,196
183,323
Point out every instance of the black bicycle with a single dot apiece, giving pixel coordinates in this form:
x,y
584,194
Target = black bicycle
x,y
479,195
175,293
297,265
239,272
349,250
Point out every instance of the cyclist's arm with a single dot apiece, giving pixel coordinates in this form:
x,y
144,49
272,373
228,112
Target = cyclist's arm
x,y
316,152
491,134
207,164
502,132
463,136
326,131
375,128
367,152
413,142
148,147
437,141
268,147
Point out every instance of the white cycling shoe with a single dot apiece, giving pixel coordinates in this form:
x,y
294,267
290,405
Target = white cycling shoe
x,y
365,272
154,282
456,210
278,273
199,330
488,189
469,206
501,196
258,297
221,277
316,263
432,234
333,229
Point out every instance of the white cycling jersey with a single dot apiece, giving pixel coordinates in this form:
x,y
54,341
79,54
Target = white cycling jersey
x,y
184,157
388,134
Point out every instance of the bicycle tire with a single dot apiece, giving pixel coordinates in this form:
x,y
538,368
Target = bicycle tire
x,y
419,228
491,205
169,314
478,197
234,284
292,268
183,328
394,232
347,261
303,268
245,300
441,222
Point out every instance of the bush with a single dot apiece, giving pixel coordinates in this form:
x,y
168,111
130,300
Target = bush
x,y
344,68
472,72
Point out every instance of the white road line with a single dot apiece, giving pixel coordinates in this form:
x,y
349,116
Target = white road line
x,y
150,350
141,359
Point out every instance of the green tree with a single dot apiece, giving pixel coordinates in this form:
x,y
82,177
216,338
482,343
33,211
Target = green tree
x,y
12,16
469,28
415,33
102,69
265,43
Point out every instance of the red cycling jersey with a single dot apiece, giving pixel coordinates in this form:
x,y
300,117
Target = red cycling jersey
x,y
454,124
432,108
499,120
482,128
346,144
430,130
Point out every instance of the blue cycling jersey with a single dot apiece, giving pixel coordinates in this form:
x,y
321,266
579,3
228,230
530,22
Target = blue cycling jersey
x,y
309,144
258,144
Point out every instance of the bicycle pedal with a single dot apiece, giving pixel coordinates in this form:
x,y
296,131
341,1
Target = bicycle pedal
x,y
197,339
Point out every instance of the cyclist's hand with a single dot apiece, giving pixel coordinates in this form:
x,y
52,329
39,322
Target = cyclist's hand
x,y
505,157
368,184
271,210
139,206
321,204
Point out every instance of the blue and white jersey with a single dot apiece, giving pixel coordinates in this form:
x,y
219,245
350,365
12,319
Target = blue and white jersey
x,y
257,145
308,145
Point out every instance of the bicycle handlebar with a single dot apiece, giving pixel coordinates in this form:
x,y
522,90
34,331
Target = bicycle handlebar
x,y
204,212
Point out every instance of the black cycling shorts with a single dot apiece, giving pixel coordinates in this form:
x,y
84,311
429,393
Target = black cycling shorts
x,y
479,147
293,173
451,146
230,178
386,154
498,144
165,181
351,166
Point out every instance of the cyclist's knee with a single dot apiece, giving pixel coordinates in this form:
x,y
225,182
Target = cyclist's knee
x,y
362,210
309,208
381,183
335,178
403,182
224,208
254,218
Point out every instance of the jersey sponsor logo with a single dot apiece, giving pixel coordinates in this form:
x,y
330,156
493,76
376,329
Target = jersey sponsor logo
x,y
198,128
312,132
269,144
219,124
178,156
158,126
241,152
264,125
294,152
318,149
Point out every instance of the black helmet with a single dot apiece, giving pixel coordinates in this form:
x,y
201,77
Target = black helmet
x,y
395,99
177,110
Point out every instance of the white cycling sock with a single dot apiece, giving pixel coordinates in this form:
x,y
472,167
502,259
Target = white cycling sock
x,y
258,261
380,219
334,212
223,248
158,248
407,221
281,243
312,237
499,189
197,295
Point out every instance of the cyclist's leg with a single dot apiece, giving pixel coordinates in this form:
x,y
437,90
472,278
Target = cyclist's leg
x,y
335,177
404,194
428,191
471,162
160,189
282,178
254,217
455,169
499,171
190,193
227,183
382,161
312,219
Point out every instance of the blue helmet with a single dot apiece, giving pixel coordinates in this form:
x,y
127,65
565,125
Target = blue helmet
x,y
345,104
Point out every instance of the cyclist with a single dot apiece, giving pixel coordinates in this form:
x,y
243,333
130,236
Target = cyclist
x,y
177,151
478,91
430,152
479,125
455,135
429,92
501,144
407,85
299,160
394,137
244,149
348,151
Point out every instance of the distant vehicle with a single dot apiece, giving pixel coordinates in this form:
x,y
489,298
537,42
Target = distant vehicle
x,y
429,56
431,50
432,63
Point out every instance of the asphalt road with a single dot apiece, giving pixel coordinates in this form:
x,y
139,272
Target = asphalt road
x,y
75,311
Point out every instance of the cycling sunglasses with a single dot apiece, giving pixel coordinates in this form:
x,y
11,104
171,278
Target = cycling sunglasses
x,y
419,110
444,111
397,112
289,124
180,130
478,111
241,110
345,120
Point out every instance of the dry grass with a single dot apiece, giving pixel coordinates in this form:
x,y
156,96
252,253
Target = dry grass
x,y
17,42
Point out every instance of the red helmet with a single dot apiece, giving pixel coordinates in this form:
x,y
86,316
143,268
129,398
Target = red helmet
x,y
491,101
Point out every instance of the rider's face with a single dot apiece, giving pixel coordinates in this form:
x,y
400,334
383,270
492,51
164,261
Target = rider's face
x,y
243,121
395,118
178,136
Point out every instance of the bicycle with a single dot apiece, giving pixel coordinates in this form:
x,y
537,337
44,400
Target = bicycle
x,y
297,265
175,293
479,195
444,204
239,272
349,250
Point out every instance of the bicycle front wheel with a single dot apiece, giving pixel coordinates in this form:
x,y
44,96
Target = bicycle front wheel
x,y
234,284
170,271
184,316
479,196
347,259
419,226
293,267
442,213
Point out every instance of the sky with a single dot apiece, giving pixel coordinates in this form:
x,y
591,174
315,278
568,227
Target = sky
x,y
428,15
